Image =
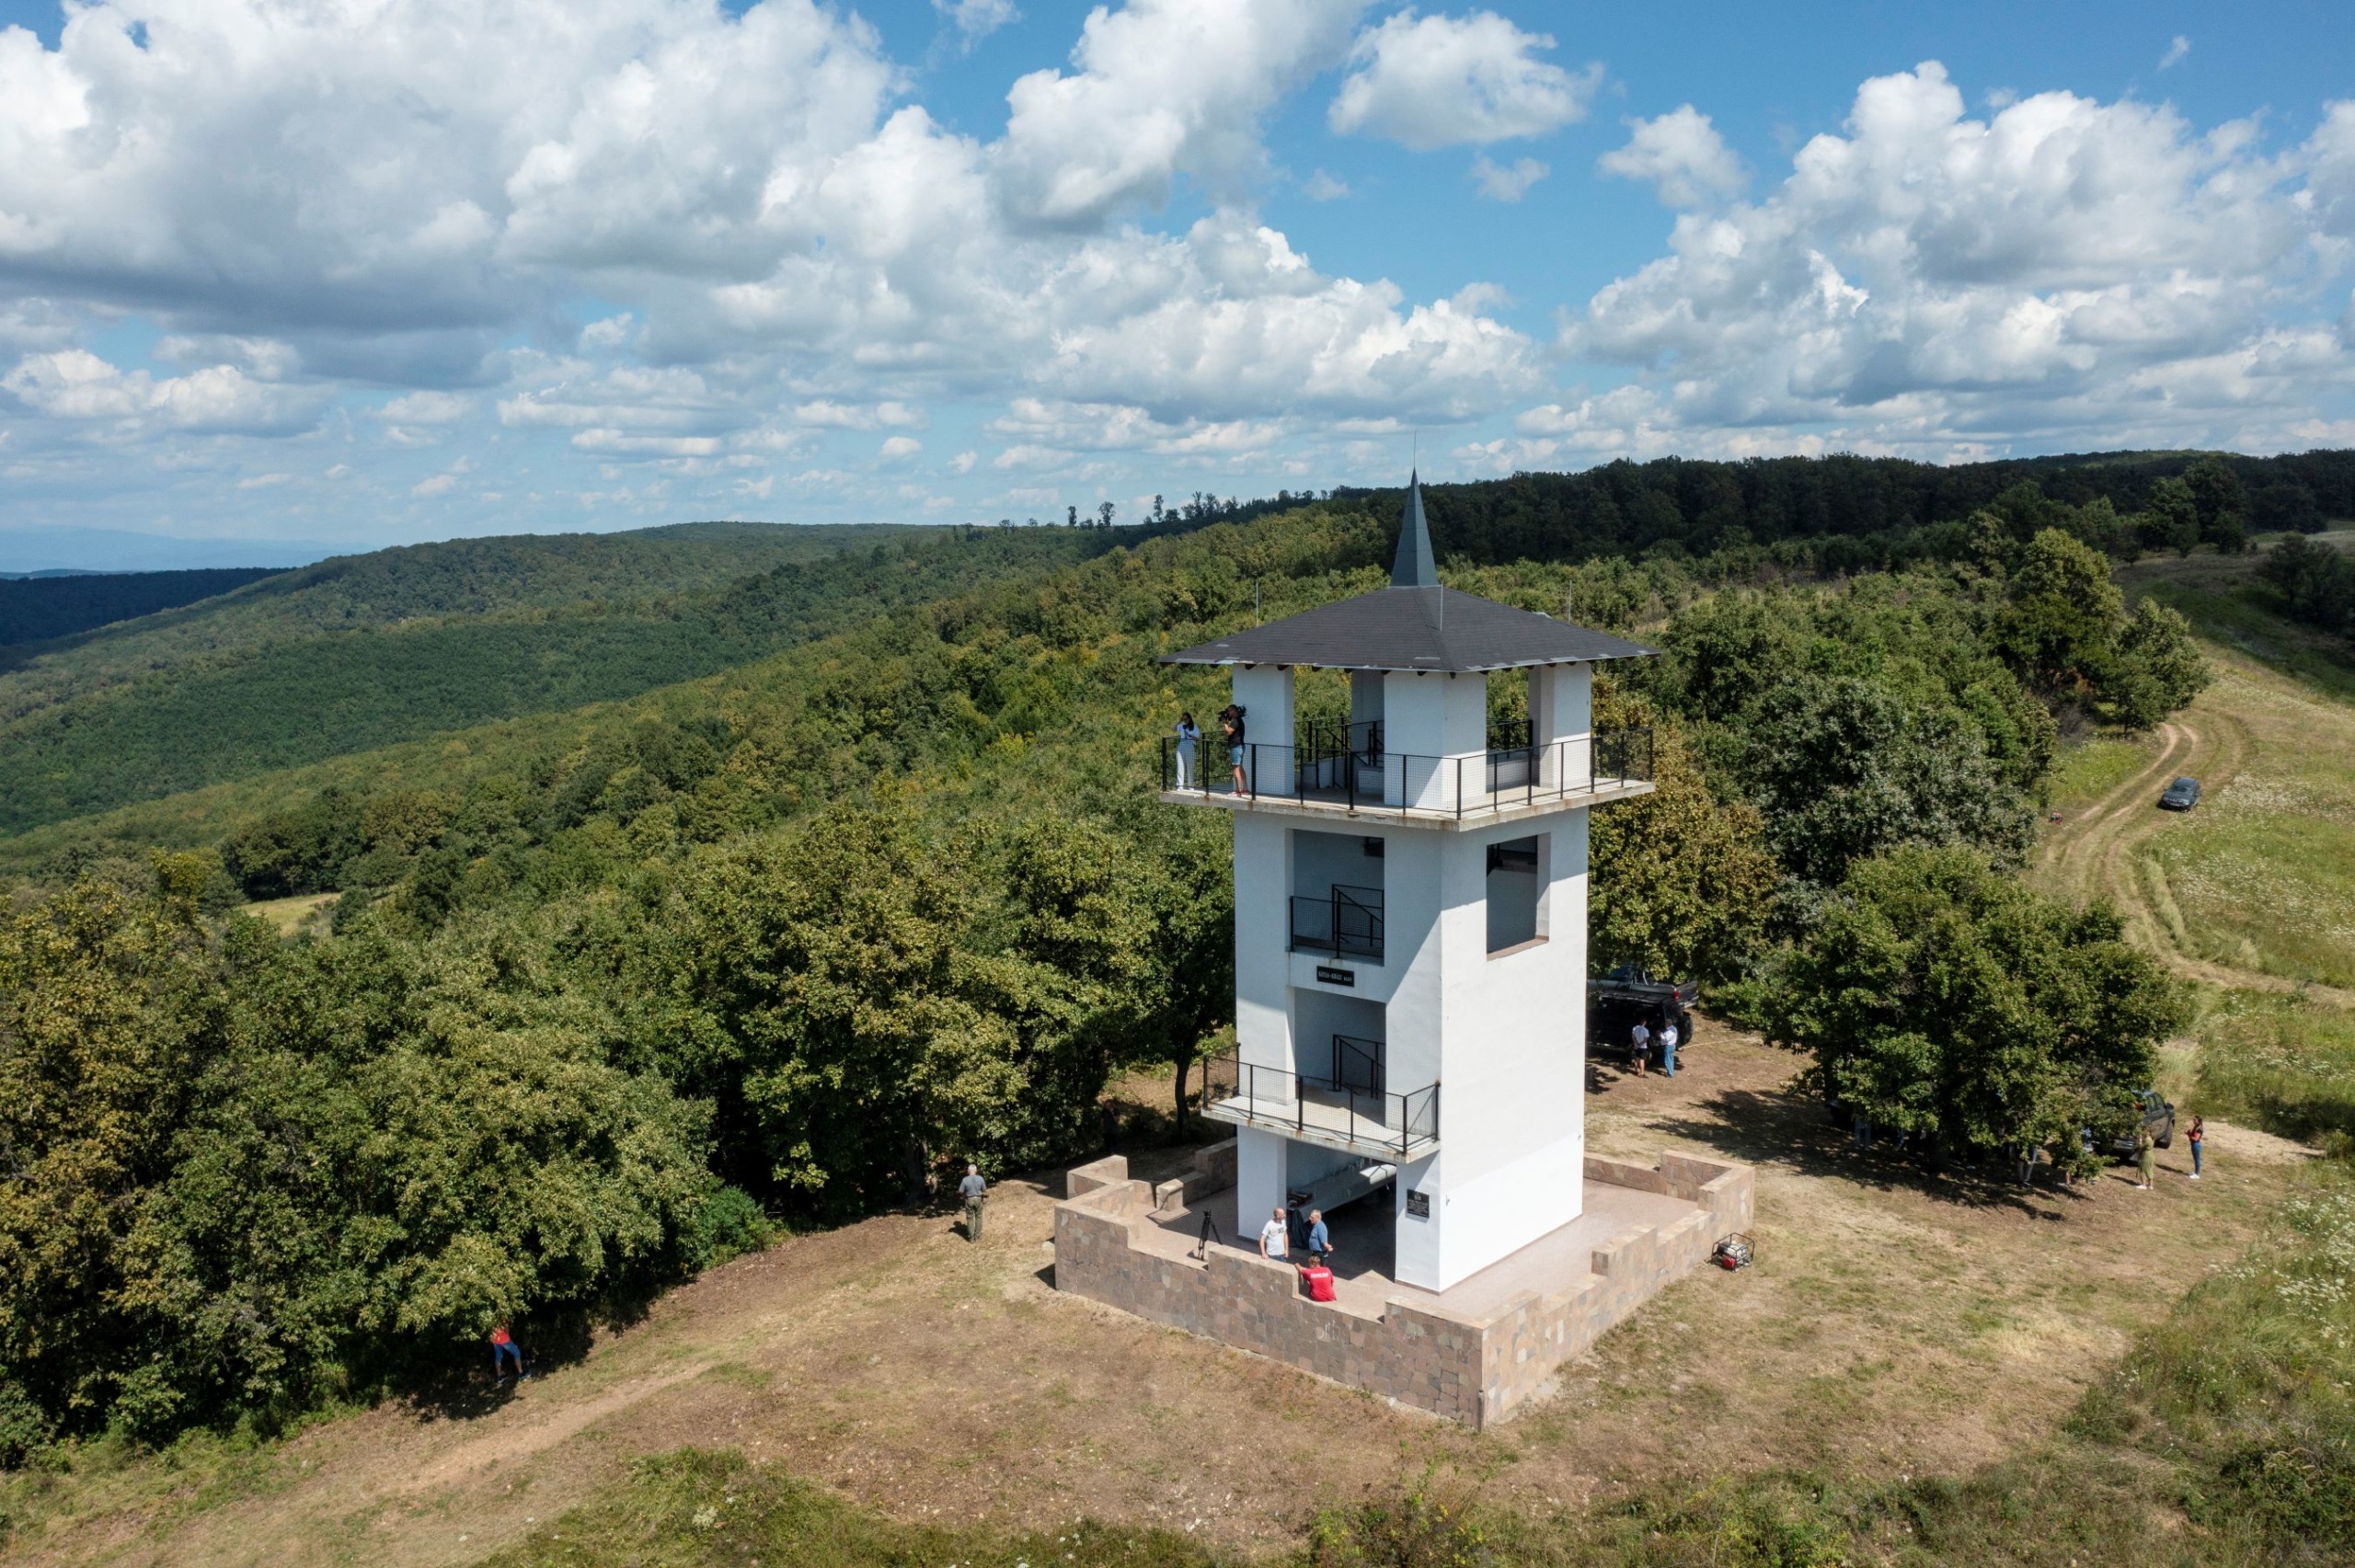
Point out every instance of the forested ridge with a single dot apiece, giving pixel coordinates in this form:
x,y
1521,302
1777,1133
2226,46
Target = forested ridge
x,y
40,609
792,938
348,661
1847,513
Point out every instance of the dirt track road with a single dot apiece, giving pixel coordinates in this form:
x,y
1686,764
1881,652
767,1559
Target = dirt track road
x,y
2096,853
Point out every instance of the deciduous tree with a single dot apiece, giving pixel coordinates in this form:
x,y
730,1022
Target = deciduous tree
x,y
1943,998
1679,881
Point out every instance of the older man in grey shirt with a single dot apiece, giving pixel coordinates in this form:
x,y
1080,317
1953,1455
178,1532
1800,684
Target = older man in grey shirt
x,y
974,1190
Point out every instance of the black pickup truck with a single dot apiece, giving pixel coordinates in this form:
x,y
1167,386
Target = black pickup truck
x,y
1617,1002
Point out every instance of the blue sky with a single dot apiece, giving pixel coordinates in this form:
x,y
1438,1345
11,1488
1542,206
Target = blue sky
x,y
607,263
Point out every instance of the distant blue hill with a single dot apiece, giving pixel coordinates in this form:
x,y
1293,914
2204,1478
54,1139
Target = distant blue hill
x,y
25,552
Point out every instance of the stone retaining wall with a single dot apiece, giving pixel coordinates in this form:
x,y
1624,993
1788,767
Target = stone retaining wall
x,y
1472,1370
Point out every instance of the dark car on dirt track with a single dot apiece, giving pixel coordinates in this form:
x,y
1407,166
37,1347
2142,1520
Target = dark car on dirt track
x,y
2182,796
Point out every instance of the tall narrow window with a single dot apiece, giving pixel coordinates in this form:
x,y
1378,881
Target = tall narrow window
x,y
1512,893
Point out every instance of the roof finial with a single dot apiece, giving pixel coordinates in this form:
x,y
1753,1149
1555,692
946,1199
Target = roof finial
x,y
1414,566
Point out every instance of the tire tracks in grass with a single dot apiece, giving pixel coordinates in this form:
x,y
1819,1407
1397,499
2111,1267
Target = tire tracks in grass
x,y
2098,854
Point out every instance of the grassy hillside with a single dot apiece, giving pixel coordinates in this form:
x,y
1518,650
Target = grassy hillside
x,y
273,677
2227,600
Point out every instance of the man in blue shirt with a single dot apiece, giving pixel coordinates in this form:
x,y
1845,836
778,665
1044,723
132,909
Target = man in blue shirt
x,y
1320,1245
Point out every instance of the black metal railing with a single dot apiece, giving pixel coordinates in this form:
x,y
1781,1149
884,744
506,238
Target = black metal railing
x,y
1349,769
1358,1065
1346,922
1405,1127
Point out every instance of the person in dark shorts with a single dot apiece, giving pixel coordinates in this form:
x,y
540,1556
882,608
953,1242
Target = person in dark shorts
x,y
1230,724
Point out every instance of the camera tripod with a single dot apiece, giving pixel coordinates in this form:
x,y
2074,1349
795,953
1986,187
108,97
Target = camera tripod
x,y
1210,1234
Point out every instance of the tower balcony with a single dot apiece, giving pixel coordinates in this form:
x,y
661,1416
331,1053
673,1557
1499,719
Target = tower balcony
x,y
1346,772
1350,1108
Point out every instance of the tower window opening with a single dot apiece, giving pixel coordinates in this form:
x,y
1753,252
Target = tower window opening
x,y
1513,885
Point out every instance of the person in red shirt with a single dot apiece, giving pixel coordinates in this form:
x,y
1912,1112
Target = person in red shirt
x,y
502,1345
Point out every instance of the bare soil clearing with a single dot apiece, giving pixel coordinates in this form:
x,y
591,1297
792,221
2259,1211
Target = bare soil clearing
x,y
1891,1324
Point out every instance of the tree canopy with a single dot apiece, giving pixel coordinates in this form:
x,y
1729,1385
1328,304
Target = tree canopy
x,y
1939,997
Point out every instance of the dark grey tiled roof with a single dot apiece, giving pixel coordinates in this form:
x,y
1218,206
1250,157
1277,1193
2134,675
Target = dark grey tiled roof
x,y
1436,629
1414,568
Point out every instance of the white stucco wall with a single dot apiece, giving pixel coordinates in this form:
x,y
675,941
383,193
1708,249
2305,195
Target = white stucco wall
x,y
1426,718
1561,707
1259,1174
1411,957
1264,692
1417,1258
1262,966
1513,1062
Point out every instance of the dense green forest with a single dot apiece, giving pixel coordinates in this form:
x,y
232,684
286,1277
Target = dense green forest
x,y
2316,583
38,609
1847,513
603,987
385,658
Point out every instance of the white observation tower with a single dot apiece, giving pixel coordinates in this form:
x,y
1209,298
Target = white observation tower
x,y
1410,893
1410,910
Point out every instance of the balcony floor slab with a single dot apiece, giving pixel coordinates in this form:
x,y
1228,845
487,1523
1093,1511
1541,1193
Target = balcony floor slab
x,y
1486,816
1324,1123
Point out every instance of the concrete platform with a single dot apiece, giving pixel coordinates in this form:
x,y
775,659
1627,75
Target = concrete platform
x,y
1479,811
1472,1352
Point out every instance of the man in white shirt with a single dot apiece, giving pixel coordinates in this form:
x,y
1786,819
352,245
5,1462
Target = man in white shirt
x,y
1273,1242
1642,1048
1667,1047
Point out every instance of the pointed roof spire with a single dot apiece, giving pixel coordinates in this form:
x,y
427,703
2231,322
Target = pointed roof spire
x,y
1414,568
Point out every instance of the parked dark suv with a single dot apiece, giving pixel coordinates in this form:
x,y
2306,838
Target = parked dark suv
x,y
2182,796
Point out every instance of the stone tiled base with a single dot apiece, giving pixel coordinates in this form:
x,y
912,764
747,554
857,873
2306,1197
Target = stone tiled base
x,y
1472,1367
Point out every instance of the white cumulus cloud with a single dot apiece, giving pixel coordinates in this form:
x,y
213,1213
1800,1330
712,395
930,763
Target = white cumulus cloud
x,y
2066,270
976,19
1680,155
1162,87
76,385
1502,183
1442,81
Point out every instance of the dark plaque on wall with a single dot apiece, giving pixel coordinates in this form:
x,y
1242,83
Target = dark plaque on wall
x,y
1330,976
1419,1205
